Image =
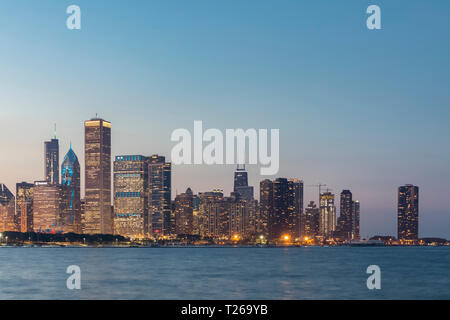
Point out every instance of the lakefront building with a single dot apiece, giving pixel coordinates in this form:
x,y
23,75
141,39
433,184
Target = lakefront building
x,y
71,180
213,216
345,223
265,205
408,214
184,213
161,220
130,196
24,206
7,210
355,221
49,204
311,221
97,215
282,202
327,222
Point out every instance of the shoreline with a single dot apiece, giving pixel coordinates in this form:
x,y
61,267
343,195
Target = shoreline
x,y
62,246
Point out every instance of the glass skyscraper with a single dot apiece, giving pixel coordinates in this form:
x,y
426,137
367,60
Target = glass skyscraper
x,y
327,220
161,221
71,179
345,225
283,203
241,184
408,213
130,196
51,154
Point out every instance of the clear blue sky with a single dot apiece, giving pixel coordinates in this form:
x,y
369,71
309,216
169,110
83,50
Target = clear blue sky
x,y
358,109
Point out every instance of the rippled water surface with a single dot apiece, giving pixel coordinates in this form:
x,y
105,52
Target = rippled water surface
x,y
225,273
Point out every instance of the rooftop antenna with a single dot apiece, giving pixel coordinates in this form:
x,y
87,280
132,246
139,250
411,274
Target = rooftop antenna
x,y
55,131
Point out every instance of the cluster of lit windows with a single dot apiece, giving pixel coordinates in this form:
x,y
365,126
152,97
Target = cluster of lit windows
x,y
127,215
128,175
127,194
128,158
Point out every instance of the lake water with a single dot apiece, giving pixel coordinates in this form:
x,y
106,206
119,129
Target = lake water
x,y
225,273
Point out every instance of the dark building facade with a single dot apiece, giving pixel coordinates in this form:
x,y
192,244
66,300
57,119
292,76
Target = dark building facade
x,y
312,221
7,210
345,224
51,155
71,179
356,215
24,206
161,220
97,215
184,213
241,184
130,196
284,208
265,206
408,213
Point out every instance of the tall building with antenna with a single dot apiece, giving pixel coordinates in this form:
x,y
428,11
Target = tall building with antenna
x,y
241,186
51,155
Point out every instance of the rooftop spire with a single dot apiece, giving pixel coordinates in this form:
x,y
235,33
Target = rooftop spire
x,y
55,132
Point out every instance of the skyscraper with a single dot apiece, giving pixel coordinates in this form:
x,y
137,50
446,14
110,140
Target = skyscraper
x,y
7,210
49,202
346,215
196,215
355,220
160,217
184,210
51,155
265,206
287,207
97,137
327,220
241,184
130,196
71,178
24,206
408,213
213,216
312,218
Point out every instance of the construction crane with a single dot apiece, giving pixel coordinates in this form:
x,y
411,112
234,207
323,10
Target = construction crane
x,y
319,185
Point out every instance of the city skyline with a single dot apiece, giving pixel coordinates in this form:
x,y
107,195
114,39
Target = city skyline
x,y
349,209
358,110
